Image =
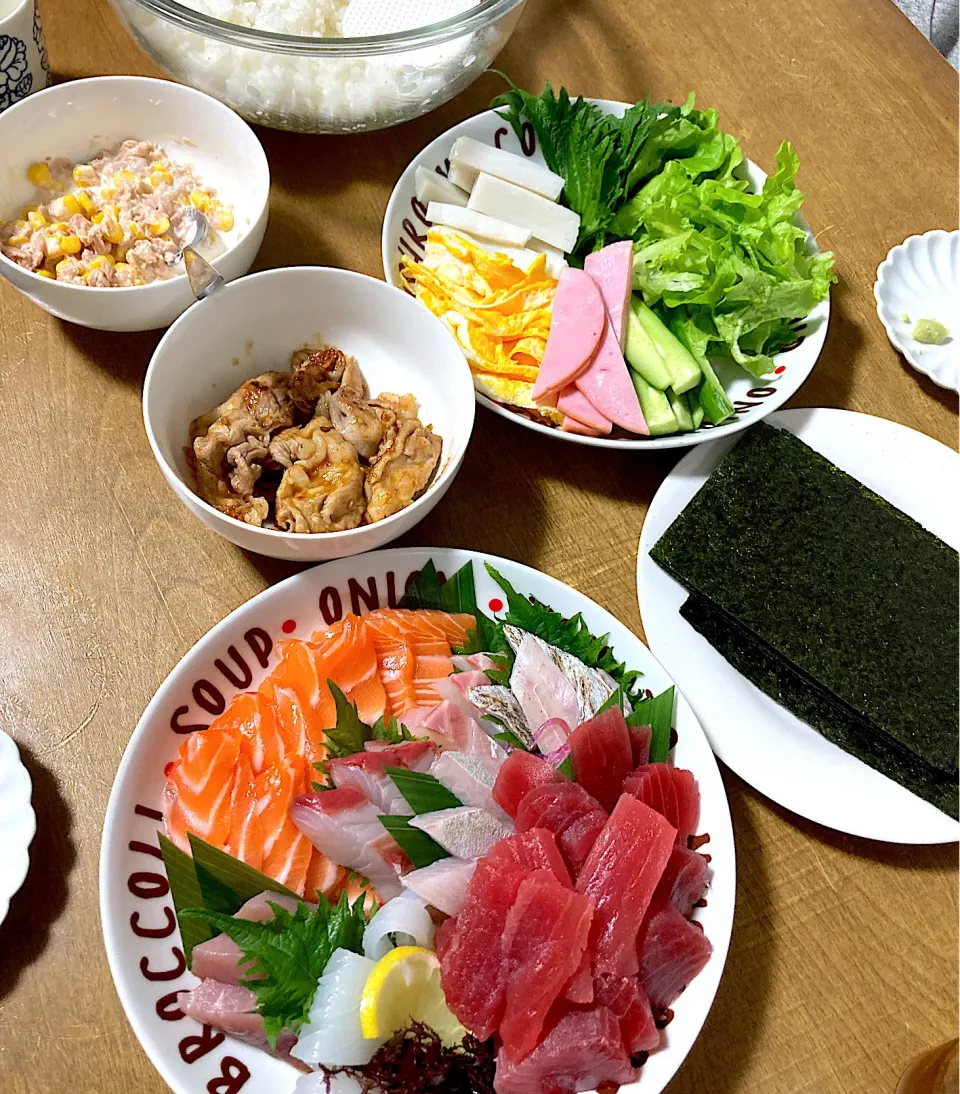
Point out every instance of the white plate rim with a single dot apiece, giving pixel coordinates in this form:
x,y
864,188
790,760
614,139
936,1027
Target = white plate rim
x,y
721,895
659,596
18,821
762,395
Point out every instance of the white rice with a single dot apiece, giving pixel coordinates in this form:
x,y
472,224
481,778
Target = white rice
x,y
321,94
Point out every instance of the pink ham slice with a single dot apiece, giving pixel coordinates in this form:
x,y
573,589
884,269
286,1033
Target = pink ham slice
x,y
575,405
606,379
576,326
612,269
620,876
583,1050
571,425
544,938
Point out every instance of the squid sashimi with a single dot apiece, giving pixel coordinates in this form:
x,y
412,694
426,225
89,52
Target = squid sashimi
x,y
344,825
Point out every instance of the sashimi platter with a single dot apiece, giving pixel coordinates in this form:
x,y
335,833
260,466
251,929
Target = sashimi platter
x,y
615,275
411,821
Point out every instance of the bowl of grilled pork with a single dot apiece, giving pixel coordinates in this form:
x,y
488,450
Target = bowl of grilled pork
x,y
308,413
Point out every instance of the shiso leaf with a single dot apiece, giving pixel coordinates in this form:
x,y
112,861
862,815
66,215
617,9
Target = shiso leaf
x,y
288,953
458,594
350,733
416,845
424,793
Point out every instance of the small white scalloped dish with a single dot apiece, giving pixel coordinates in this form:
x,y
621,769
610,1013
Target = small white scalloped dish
x,y
18,822
920,279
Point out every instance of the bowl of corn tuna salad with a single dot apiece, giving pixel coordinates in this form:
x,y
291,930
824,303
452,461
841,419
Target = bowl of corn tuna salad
x,y
103,175
324,66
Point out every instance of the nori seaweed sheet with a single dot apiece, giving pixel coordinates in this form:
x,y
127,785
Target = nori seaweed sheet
x,y
839,583
774,677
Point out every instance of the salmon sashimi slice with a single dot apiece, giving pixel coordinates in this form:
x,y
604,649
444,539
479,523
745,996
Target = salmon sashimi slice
x,y
254,717
303,705
346,655
425,623
198,796
286,853
245,840
323,876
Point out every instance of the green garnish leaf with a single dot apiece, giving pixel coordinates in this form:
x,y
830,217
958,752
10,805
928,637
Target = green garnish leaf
x,y
566,768
392,731
288,953
186,893
424,591
506,736
571,635
657,713
424,793
350,733
416,845
225,882
614,699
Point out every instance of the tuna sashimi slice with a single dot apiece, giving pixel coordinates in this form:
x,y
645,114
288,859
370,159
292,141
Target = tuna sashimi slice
x,y
579,989
576,325
536,849
344,825
602,756
620,876
612,269
640,740
543,941
575,817
465,831
583,1050
575,405
673,953
672,791
684,881
442,884
520,773
629,1002
472,970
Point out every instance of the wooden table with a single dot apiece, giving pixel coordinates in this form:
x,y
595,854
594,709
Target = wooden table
x,y
843,961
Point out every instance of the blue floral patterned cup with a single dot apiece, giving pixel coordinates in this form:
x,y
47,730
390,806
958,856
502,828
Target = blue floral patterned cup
x,y
23,55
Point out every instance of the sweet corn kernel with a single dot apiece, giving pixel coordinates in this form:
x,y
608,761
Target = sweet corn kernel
x,y
45,273
71,206
135,230
101,262
39,174
86,203
17,241
37,220
160,225
200,200
60,226
97,218
71,245
112,230
120,177
224,219
64,263
84,175
108,192
159,176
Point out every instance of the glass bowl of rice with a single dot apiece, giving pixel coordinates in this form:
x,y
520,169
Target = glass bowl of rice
x,y
324,66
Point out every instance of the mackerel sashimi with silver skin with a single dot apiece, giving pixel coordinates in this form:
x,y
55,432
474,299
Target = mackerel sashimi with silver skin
x,y
499,865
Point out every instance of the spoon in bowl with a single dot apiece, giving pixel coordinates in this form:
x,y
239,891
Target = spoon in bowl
x,y
191,230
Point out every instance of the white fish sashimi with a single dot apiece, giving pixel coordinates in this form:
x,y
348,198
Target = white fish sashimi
x,y
380,789
499,703
331,1035
464,832
406,919
442,884
469,780
461,731
543,691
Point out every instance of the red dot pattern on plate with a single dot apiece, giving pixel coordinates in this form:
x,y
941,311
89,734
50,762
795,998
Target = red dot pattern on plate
x,y
780,368
496,605
289,626
168,768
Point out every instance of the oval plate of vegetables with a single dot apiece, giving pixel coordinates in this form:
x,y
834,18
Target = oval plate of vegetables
x,y
617,275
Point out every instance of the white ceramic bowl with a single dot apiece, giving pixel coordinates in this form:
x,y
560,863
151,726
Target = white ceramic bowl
x,y
404,229
132,883
254,324
78,119
920,279
17,821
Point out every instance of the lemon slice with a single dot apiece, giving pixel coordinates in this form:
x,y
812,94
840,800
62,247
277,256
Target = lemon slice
x,y
404,987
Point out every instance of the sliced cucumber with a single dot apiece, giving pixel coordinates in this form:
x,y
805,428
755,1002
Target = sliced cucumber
x,y
642,355
681,411
679,362
655,406
710,396
696,410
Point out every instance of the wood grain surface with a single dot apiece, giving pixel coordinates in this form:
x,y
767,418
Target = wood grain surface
x,y
843,964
